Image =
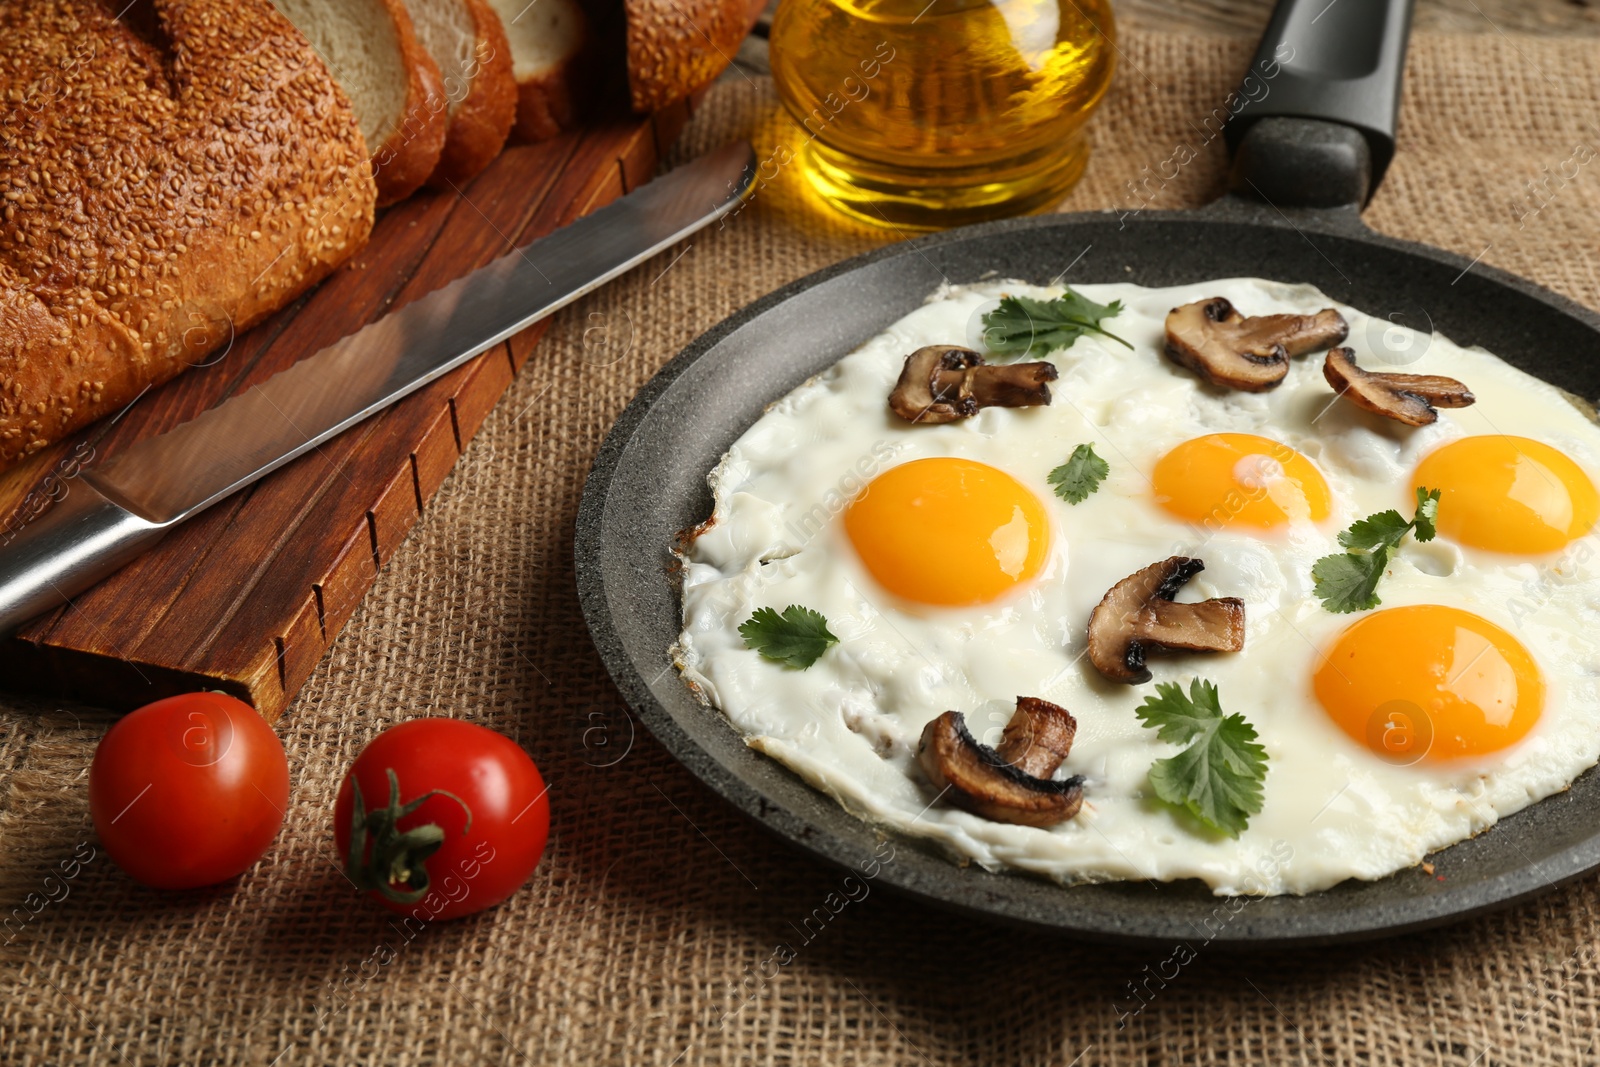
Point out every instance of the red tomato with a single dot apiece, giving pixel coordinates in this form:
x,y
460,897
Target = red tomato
x,y
454,818
188,791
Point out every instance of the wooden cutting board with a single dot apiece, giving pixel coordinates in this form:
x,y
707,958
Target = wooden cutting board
x,y
248,596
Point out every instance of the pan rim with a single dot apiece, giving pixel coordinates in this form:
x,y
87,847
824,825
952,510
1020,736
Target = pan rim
x,y
921,879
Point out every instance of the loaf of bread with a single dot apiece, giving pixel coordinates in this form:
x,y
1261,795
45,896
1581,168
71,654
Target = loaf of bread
x,y
467,42
549,42
167,179
371,49
678,46
173,172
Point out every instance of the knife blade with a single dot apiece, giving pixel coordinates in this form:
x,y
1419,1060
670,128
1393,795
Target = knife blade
x,y
122,507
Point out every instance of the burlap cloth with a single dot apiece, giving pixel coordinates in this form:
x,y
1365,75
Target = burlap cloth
x,y
647,933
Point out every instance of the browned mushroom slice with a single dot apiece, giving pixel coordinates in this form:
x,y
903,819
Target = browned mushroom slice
x,y
1138,615
1011,783
1407,398
943,383
1212,339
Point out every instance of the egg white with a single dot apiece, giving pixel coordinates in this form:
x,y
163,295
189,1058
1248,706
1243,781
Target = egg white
x,y
1332,810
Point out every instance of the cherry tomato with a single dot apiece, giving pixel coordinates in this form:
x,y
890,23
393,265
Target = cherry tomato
x,y
452,818
188,791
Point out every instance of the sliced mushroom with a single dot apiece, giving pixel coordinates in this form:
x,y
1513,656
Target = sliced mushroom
x,y
1407,398
1138,614
1225,348
1013,782
943,383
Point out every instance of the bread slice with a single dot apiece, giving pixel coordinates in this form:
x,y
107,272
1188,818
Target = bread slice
x,y
372,49
468,43
549,42
678,46
164,188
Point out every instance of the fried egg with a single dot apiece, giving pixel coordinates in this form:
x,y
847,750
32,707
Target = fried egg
x,y
956,579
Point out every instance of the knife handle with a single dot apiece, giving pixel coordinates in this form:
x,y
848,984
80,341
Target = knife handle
x,y
79,541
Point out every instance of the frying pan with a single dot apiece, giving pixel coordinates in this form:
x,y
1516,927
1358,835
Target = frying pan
x,y
1308,150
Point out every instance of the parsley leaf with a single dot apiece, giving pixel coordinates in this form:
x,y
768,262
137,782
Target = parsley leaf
x,y
1349,581
1218,777
1025,326
1386,528
1427,514
1080,475
797,637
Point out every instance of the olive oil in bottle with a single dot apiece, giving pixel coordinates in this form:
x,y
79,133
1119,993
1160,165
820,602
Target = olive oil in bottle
x,y
923,114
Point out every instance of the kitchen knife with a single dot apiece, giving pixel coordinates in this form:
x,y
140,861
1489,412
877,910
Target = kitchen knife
x,y
119,509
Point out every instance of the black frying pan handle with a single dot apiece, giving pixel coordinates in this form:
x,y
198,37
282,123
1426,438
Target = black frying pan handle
x,y
1321,100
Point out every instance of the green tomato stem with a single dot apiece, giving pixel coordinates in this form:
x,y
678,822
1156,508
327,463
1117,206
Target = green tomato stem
x,y
382,857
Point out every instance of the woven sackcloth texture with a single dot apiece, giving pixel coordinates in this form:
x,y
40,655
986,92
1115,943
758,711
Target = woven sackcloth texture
x,y
647,934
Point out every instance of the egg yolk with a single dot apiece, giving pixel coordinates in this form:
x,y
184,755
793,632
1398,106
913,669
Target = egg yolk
x,y
948,531
1509,494
1239,479
1429,682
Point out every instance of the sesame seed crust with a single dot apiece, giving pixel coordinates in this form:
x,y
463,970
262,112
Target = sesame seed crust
x,y
165,181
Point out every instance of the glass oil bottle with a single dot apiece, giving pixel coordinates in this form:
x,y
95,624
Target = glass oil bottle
x,y
922,114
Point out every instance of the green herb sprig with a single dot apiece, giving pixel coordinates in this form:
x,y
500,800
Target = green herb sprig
x,y
797,637
1025,326
1218,777
1348,581
1080,475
